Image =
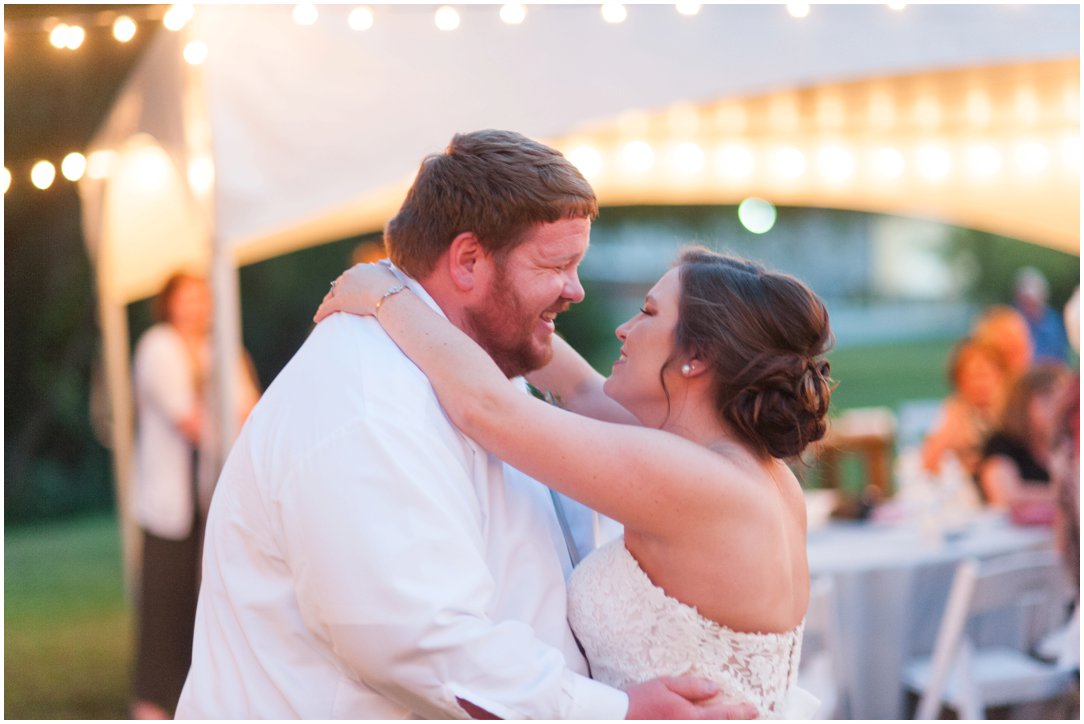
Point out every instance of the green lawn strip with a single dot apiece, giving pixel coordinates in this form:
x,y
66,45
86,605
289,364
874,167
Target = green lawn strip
x,y
67,625
888,374
73,668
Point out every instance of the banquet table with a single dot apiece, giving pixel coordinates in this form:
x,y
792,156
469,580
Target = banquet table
x,y
891,583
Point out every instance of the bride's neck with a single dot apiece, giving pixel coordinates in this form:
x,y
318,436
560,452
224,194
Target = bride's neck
x,y
702,427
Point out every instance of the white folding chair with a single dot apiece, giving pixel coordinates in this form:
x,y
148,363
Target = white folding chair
x,y
970,678
820,671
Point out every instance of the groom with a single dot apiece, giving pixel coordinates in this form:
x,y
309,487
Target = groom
x,y
365,559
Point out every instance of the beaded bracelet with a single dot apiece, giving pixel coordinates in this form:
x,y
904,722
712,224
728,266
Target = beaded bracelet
x,y
394,290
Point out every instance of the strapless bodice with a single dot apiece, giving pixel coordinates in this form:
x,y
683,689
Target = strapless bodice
x,y
632,631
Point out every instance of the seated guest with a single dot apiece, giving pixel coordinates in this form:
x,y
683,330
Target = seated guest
x,y
972,411
1014,472
1006,330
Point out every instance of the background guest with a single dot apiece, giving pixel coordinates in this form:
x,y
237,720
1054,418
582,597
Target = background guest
x,y
1006,330
977,376
1031,293
1014,472
171,366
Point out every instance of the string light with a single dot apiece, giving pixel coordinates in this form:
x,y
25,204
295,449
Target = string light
x,y
830,111
735,161
305,14
58,36
76,34
1031,157
977,106
613,12
687,158
889,163
789,162
360,18
6,179
638,156
446,18
178,16
73,166
42,174
587,159
835,163
195,52
983,160
1027,106
67,36
798,10
514,13
927,113
882,109
124,29
934,162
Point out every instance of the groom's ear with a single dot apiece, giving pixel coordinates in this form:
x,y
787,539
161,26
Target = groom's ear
x,y
463,257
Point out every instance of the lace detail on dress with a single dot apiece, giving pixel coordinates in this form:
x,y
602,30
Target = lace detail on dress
x,y
632,631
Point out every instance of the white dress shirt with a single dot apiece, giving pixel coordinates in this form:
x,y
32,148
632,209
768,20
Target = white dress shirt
x,y
365,559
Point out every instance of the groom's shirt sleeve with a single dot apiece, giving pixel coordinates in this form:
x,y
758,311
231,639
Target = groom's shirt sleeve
x,y
384,531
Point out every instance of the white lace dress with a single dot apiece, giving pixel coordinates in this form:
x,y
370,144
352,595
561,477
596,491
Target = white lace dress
x,y
632,631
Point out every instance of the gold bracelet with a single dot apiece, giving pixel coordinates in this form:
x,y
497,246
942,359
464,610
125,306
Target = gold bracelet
x,y
394,290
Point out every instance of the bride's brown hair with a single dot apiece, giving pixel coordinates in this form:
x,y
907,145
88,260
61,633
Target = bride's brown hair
x,y
764,335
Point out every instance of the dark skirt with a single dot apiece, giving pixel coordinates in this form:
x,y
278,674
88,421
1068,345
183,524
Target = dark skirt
x,y
166,612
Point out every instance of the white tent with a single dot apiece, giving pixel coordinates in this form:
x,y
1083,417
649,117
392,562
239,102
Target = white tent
x,y
288,135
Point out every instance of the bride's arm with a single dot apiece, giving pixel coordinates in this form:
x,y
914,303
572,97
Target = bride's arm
x,y
649,480
577,386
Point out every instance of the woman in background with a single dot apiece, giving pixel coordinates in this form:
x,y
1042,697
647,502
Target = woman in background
x,y
977,375
171,366
1006,330
1014,472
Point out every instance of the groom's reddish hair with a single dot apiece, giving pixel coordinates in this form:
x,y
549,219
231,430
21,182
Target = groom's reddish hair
x,y
496,184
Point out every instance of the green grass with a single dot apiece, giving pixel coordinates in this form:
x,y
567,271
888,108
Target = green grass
x,y
67,624
887,374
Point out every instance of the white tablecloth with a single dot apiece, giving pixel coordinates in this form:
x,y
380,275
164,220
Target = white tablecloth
x,y
891,584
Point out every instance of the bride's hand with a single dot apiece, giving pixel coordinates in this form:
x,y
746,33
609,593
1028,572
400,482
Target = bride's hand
x,y
357,291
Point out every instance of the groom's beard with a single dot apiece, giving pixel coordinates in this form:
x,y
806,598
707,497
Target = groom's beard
x,y
505,328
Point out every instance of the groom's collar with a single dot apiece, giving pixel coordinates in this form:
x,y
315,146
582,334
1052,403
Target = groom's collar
x,y
414,285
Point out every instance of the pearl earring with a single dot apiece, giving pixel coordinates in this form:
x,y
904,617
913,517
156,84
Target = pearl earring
x,y
686,369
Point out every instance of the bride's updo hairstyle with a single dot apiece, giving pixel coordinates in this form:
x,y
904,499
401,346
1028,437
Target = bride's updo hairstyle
x,y
764,335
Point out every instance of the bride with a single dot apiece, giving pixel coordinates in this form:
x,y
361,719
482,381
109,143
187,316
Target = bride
x,y
721,378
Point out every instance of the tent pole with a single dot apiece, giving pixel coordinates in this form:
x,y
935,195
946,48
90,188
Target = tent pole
x,y
227,343
113,317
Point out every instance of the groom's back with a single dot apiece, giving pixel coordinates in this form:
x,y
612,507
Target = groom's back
x,y
269,494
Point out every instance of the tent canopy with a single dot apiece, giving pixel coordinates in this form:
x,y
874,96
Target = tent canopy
x,y
298,135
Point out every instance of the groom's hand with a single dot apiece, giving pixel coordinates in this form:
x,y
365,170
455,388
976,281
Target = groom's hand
x,y
683,697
